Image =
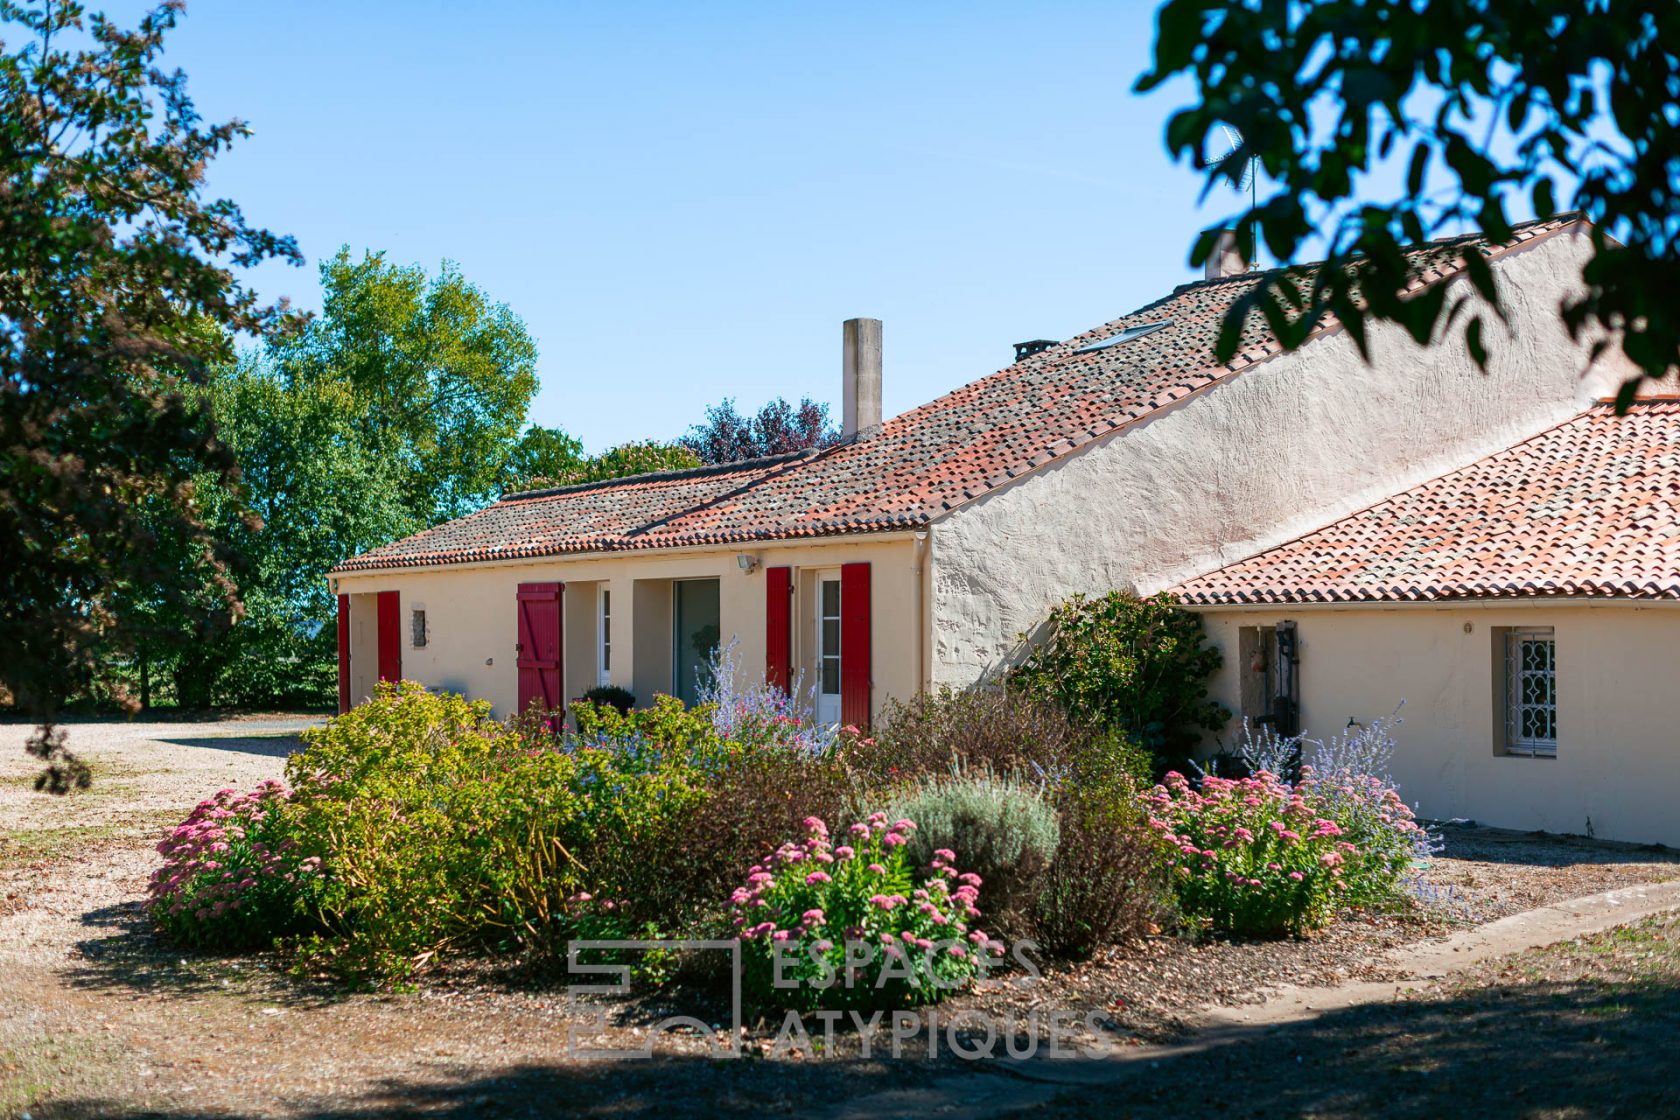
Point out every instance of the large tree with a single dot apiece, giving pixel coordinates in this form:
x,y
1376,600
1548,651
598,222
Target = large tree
x,y
323,495
1487,105
116,291
441,375
727,436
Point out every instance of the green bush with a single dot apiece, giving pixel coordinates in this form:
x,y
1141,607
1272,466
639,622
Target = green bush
x,y
1139,666
611,696
1001,829
439,829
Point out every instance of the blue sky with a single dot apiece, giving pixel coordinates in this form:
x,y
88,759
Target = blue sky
x,y
684,201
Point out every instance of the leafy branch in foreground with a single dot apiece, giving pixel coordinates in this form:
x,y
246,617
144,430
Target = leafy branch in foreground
x,y
1488,105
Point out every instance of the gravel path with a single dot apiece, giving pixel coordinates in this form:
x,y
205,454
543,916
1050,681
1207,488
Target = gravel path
x,y
97,1018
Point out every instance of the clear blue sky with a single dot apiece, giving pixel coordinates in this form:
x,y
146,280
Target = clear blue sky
x,y
683,201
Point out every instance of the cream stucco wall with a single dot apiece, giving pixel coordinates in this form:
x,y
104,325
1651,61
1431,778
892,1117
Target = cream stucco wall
x,y
470,611
1618,754
1274,451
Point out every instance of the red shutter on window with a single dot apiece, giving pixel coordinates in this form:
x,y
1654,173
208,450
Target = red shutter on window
x,y
343,653
390,636
539,653
778,634
855,669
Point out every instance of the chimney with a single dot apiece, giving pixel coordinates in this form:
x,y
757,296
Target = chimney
x,y
1226,259
860,409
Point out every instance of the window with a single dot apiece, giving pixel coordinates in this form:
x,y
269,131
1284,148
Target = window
x,y
1125,336
606,636
1531,692
417,623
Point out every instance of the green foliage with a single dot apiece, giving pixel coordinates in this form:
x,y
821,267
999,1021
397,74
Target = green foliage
x,y
1104,881
1139,666
1000,828
1569,105
440,376
548,457
611,696
440,829
318,494
116,291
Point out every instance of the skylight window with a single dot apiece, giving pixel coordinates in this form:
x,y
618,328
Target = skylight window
x,y
1125,336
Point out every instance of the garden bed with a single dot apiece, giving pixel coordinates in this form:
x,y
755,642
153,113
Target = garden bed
x,y
101,1017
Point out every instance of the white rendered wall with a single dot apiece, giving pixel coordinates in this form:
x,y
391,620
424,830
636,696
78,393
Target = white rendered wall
x,y
1617,770
1274,452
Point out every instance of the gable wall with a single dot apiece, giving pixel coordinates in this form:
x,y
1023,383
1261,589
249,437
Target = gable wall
x,y
1278,450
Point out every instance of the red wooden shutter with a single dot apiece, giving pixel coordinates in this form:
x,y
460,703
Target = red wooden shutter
x,y
855,681
778,635
390,636
343,654
539,656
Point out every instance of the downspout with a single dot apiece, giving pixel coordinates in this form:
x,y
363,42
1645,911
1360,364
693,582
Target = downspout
x,y
918,611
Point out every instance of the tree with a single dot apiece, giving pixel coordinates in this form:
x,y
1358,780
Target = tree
x,y
728,437
115,294
547,457
440,375
323,495
1488,104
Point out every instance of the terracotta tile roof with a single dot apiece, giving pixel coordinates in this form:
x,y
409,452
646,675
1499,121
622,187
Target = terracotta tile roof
x,y
1588,508
920,464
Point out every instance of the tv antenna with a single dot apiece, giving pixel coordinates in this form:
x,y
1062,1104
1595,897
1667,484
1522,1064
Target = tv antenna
x,y
1247,182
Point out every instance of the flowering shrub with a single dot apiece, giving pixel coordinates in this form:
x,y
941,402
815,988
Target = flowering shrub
x,y
1250,855
231,879
762,713
1348,779
847,925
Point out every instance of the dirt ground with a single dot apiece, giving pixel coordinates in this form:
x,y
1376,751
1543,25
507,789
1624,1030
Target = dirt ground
x,y
99,1018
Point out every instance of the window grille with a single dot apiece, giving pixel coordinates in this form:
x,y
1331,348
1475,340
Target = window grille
x,y
1531,692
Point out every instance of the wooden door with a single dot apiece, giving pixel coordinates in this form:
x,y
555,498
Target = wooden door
x,y
539,656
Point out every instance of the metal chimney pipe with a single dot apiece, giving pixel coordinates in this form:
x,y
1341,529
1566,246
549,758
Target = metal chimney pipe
x,y
860,408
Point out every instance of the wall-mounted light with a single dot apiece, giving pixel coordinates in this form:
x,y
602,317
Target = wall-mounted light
x,y
746,561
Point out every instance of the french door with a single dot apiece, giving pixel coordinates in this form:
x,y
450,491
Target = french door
x,y
828,648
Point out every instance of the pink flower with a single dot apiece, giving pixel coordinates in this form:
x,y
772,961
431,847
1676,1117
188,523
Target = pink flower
x,y
876,869
813,917
944,853
892,840
816,877
1297,876
844,851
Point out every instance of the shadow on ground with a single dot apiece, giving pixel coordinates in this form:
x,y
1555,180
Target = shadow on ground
x,y
275,745
1510,1050
123,954
1545,849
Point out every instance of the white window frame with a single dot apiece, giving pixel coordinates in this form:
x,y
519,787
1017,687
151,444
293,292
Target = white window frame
x,y
828,705
1517,743
603,635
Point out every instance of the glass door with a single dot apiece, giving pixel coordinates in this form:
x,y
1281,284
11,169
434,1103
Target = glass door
x,y
828,649
698,632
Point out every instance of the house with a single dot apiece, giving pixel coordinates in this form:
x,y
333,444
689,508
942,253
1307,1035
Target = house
x,y
919,551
